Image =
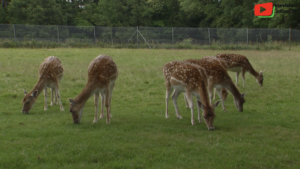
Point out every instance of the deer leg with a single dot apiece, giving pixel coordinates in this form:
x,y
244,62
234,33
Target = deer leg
x,y
210,92
214,94
237,77
102,105
243,77
96,99
107,104
55,96
199,109
45,95
168,93
219,91
190,100
174,98
186,102
110,94
52,103
58,95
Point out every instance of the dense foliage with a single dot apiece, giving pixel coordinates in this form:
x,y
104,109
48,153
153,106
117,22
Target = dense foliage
x,y
150,13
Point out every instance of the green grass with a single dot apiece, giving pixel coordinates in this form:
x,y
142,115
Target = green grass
x,y
265,135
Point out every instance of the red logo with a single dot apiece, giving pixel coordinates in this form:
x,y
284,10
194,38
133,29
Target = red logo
x,y
265,9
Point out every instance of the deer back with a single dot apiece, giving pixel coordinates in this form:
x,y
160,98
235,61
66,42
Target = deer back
x,y
234,60
169,68
214,70
102,67
51,68
189,75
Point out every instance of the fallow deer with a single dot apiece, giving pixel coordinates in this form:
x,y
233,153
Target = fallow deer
x,y
240,64
102,74
218,78
191,79
50,74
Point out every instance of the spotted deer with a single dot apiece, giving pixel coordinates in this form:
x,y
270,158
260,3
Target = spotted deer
x,y
102,74
218,78
191,79
240,64
224,65
50,74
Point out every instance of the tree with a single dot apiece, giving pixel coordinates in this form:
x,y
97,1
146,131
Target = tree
x,y
3,11
235,13
36,12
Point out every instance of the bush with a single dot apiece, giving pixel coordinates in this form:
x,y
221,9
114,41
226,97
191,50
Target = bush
x,y
185,44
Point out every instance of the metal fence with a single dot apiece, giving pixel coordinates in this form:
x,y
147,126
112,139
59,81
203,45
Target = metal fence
x,y
146,35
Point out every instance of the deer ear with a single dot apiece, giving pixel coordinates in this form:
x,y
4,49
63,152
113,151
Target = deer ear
x,y
243,95
35,93
72,101
261,72
200,104
216,104
24,91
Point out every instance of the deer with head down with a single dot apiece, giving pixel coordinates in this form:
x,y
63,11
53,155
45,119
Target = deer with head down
x,y
240,64
50,74
191,79
218,78
224,92
102,74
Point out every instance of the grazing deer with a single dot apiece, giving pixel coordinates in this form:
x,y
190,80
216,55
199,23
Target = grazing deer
x,y
50,74
218,78
191,79
102,74
224,65
239,63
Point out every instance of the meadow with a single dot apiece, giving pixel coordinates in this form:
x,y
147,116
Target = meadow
x,y
265,135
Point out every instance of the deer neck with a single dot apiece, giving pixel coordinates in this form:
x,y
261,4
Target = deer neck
x,y
204,94
234,91
85,94
40,86
253,72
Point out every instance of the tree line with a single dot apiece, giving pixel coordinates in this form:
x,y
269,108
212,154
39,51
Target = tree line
x,y
148,13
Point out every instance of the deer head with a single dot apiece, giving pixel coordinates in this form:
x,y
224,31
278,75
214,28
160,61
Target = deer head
x,y
209,114
76,110
28,101
239,102
260,78
224,94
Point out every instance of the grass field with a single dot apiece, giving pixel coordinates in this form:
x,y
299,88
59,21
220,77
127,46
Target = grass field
x,y
265,135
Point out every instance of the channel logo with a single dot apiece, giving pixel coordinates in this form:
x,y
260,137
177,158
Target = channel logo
x,y
265,10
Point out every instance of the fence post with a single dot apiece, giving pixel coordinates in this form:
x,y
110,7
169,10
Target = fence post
x,y
208,37
14,32
290,38
247,37
57,34
137,36
173,37
111,37
94,35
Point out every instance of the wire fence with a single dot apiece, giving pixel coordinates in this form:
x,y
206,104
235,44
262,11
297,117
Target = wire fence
x,y
146,35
